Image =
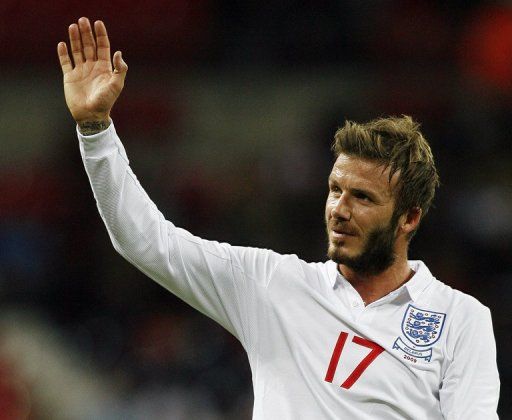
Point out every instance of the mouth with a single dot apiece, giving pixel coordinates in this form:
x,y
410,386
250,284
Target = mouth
x,y
341,233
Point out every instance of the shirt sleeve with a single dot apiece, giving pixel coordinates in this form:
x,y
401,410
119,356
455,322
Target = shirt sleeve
x,y
222,281
470,386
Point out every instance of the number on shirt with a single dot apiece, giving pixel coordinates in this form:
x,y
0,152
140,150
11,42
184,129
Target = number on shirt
x,y
361,367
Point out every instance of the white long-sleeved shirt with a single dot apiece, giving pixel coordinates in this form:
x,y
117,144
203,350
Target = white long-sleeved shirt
x,y
424,351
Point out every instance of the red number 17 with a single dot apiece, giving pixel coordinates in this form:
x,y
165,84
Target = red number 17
x,y
361,367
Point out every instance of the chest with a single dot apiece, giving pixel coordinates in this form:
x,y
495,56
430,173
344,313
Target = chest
x,y
348,351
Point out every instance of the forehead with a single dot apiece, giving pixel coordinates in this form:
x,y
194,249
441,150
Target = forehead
x,y
354,172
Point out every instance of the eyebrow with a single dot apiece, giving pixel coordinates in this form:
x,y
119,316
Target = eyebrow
x,y
371,194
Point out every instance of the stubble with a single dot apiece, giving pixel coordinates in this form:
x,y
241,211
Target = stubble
x,y
377,254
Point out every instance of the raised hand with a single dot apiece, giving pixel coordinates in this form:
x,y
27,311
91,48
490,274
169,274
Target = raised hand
x,y
91,86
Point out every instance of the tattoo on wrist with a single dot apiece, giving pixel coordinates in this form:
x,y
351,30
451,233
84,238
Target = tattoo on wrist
x,y
88,128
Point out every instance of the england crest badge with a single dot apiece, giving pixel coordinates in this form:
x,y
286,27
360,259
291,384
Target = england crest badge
x,y
422,328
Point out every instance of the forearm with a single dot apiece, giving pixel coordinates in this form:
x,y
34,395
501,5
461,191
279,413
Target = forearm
x,y
137,229
196,270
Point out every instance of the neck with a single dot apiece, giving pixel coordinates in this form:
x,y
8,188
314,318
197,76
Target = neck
x,y
372,287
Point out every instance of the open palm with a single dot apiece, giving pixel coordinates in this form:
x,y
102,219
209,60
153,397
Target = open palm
x,y
91,87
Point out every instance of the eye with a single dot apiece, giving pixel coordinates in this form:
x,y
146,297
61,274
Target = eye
x,y
334,188
362,196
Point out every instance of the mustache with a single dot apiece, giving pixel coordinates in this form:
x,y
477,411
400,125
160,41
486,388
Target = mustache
x,y
342,227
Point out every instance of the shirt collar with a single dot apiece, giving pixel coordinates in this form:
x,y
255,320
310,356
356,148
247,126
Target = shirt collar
x,y
421,279
415,286
332,272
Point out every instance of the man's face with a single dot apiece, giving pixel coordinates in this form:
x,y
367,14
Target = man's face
x,y
361,226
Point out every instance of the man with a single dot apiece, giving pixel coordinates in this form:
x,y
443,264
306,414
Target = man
x,y
365,335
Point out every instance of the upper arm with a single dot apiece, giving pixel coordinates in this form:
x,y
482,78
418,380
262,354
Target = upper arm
x,y
225,282
470,384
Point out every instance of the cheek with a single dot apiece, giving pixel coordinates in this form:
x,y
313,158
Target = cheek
x,y
331,201
369,219
327,213
329,205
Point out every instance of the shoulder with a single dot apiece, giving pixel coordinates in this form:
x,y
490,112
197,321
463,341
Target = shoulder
x,y
291,262
293,272
466,318
433,292
458,308
454,300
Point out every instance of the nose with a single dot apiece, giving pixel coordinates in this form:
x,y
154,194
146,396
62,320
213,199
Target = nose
x,y
341,209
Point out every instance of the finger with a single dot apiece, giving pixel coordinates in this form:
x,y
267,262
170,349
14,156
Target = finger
x,y
89,46
65,61
102,41
76,44
120,70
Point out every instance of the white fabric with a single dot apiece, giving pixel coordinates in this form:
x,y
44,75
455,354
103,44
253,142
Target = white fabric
x,y
289,315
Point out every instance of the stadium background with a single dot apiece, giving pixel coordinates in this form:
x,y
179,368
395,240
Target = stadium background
x,y
227,115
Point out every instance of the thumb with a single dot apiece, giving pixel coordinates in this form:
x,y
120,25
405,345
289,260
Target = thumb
x,y
120,69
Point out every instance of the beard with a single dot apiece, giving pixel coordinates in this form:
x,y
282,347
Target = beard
x,y
377,254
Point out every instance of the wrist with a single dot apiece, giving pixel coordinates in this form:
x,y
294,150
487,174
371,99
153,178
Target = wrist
x,y
90,127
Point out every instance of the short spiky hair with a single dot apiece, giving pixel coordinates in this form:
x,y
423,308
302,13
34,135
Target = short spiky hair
x,y
396,143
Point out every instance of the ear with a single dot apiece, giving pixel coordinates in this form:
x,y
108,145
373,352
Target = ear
x,y
410,220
